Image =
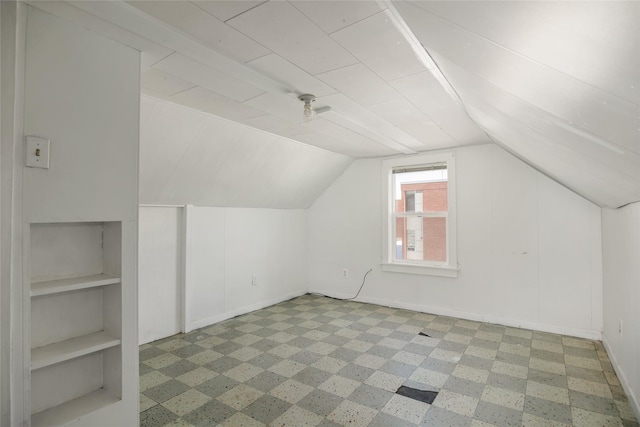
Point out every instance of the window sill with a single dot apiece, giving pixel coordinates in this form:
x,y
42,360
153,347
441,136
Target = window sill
x,y
421,269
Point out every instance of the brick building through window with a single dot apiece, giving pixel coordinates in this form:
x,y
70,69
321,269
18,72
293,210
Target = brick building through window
x,y
422,237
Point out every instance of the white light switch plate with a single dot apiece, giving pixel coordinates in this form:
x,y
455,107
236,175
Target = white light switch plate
x,y
37,152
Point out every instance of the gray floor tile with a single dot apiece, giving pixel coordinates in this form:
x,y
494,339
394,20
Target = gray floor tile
x,y
370,396
223,364
281,335
586,374
166,390
356,372
217,386
188,351
549,410
508,382
312,376
178,368
150,352
441,417
156,416
515,359
593,403
466,387
547,355
266,409
398,368
209,414
498,415
547,378
266,381
386,420
320,402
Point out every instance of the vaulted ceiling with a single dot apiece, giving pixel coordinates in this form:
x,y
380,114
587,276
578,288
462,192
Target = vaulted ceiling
x,y
555,83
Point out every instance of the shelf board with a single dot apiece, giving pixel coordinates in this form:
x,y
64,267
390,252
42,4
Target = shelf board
x,y
73,409
75,347
73,284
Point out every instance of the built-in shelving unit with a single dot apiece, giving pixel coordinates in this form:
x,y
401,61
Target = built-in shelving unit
x,y
63,285
76,320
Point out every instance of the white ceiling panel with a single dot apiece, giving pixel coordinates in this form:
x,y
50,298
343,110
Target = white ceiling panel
x,y
207,151
332,16
151,52
192,157
557,83
191,20
286,31
224,10
578,103
289,75
378,44
207,77
545,125
163,142
354,112
407,117
360,84
550,32
426,93
162,83
270,123
288,108
337,138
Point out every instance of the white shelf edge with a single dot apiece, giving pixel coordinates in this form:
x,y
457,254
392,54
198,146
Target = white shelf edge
x,y
51,354
65,285
73,409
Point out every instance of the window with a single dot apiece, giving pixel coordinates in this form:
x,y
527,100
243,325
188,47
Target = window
x,y
419,215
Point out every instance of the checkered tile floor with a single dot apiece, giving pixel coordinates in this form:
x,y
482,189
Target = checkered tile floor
x,y
317,361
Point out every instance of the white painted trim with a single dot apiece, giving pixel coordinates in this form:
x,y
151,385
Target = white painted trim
x,y
243,310
450,269
535,326
427,270
633,399
186,269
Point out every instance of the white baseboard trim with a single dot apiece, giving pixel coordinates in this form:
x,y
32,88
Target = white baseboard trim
x,y
243,310
633,399
542,327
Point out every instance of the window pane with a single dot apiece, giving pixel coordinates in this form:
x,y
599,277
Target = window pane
x,y
435,239
421,239
420,191
400,249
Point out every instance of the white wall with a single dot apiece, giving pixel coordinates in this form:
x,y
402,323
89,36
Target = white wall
x,y
621,265
225,247
159,272
529,249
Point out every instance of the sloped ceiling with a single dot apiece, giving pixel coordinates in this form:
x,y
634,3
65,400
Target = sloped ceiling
x,y
556,83
189,157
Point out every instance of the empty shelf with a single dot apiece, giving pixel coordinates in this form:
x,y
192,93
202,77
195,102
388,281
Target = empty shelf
x,y
70,349
73,409
73,284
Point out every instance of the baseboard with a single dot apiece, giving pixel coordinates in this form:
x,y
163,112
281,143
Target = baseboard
x,y
633,399
542,327
243,310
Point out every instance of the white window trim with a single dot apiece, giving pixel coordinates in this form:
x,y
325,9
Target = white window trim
x,y
449,269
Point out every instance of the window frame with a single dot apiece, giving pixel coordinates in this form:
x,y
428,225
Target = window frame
x,y
432,268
